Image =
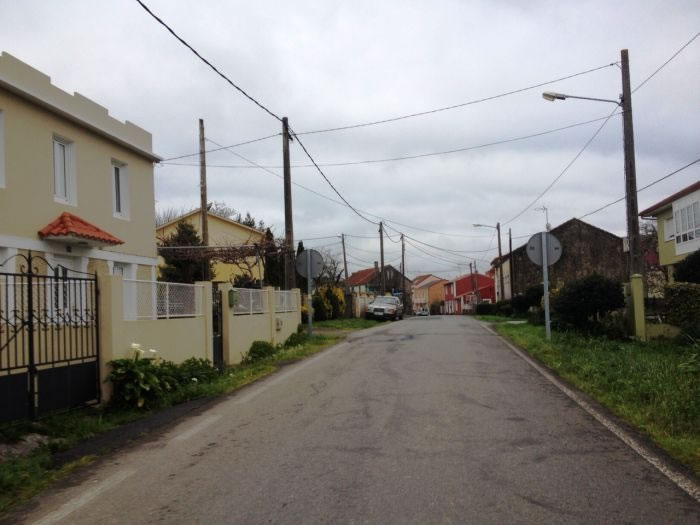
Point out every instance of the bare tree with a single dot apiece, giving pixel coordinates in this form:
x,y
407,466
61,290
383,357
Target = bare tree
x,y
165,215
332,269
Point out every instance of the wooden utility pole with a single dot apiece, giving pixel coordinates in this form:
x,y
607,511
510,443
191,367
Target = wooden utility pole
x,y
635,256
403,271
512,266
289,267
203,198
345,264
500,260
381,257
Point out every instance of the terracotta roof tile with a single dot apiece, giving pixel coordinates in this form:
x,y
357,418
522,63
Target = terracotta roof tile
x,y
361,277
69,225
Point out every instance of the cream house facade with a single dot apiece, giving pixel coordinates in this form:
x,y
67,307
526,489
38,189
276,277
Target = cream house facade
x,y
76,185
222,232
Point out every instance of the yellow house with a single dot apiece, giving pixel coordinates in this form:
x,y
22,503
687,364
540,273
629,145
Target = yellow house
x,y
76,185
222,232
678,226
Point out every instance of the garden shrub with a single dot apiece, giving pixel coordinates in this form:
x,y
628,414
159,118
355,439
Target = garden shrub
x,y
688,270
485,309
296,339
504,308
683,303
581,304
532,297
135,381
322,308
259,350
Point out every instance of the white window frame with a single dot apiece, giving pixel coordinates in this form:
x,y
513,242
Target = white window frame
x,y
120,190
70,197
2,150
686,220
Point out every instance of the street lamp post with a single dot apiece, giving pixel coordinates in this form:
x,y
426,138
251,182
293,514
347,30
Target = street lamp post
x,y
500,255
625,102
635,255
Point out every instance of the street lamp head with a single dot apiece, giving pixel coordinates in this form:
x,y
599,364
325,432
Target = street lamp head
x,y
551,96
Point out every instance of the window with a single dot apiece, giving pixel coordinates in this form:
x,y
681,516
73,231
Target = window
x,y
63,171
687,222
120,190
2,151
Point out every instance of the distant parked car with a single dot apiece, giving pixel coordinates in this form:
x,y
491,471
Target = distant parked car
x,y
385,307
422,311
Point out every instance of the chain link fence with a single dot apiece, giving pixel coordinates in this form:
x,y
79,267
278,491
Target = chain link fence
x,y
161,300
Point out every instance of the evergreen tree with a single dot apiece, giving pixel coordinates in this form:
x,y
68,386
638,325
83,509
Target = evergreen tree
x,y
301,281
274,262
178,269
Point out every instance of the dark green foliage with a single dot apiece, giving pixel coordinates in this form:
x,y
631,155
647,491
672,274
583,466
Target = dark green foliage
x,y
683,303
581,304
485,309
274,262
142,382
245,281
688,270
301,281
259,350
321,307
532,297
177,269
504,308
296,339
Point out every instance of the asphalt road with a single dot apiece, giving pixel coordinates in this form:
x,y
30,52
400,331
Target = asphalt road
x,y
430,420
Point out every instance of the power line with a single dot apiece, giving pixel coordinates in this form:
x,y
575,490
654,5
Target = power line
x,y
642,188
298,141
455,106
412,157
561,174
188,46
667,62
164,161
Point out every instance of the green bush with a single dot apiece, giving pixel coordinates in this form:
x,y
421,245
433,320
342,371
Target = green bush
x,y
581,304
321,307
259,350
532,297
296,339
504,308
485,309
688,270
136,381
683,303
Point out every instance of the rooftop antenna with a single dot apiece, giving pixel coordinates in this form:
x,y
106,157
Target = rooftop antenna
x,y
546,213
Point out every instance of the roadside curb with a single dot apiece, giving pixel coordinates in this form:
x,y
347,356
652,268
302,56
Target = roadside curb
x,y
649,452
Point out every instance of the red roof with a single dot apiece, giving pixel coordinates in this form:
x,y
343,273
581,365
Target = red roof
x,y
669,200
69,225
361,277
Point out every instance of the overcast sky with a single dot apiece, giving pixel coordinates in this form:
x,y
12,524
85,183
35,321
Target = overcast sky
x,y
327,64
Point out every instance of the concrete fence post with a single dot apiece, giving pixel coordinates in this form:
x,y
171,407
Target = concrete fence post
x,y
271,312
637,297
111,305
207,317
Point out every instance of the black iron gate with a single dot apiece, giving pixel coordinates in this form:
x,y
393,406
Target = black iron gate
x,y
217,320
49,340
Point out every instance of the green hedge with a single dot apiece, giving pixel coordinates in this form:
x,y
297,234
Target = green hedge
x,y
683,303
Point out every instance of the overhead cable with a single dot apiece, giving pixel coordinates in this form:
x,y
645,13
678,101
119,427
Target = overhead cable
x,y
667,62
188,46
219,149
642,188
411,157
455,106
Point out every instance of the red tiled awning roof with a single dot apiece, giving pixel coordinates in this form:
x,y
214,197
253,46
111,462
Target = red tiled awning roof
x,y
361,277
69,225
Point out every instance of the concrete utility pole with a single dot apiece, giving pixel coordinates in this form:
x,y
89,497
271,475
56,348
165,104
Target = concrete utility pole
x,y
381,257
630,170
345,264
512,266
290,279
500,259
403,271
203,198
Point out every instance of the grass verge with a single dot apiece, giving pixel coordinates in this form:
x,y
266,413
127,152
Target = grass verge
x,y
642,383
346,324
22,477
